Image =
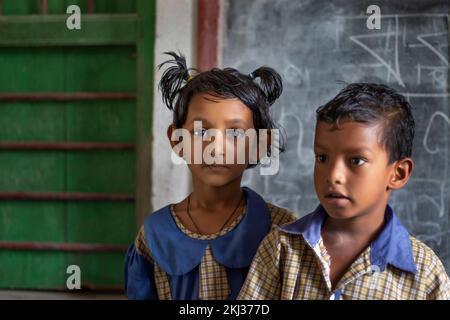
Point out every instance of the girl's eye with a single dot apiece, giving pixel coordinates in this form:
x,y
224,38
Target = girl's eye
x,y
357,162
235,133
200,132
321,158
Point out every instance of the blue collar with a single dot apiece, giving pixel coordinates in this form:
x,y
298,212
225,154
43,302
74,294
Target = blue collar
x,y
392,246
177,254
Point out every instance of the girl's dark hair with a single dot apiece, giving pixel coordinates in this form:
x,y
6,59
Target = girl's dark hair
x,y
375,103
257,90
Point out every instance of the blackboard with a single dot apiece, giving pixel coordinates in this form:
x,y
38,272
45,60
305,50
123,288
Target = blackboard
x,y
316,43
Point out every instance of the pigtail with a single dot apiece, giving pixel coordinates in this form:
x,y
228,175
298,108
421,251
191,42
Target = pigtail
x,y
173,79
270,83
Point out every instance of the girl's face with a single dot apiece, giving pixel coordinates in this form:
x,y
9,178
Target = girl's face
x,y
229,119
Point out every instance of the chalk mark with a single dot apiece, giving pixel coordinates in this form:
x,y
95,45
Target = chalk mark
x,y
396,72
429,46
427,131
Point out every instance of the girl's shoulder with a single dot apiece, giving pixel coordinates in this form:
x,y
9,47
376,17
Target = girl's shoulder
x,y
158,224
141,246
280,216
160,220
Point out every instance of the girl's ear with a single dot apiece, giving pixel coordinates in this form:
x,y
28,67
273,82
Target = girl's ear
x,y
263,150
170,130
268,143
173,143
401,171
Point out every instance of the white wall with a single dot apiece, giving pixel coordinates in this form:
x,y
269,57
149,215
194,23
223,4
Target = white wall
x,y
175,31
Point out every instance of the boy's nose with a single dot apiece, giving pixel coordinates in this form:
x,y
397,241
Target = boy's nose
x,y
336,173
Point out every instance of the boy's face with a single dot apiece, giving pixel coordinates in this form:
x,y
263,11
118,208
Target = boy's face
x,y
352,171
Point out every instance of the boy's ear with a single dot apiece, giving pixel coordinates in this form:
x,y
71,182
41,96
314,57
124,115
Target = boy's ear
x,y
401,172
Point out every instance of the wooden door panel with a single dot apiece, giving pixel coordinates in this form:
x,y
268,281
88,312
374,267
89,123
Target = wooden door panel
x,y
70,133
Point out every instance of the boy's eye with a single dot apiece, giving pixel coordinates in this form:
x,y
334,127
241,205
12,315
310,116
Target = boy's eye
x,y
200,132
321,158
357,162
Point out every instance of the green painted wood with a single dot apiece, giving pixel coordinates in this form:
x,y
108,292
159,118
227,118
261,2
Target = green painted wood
x,y
100,267
101,171
49,124
32,171
51,30
101,69
86,119
30,221
22,270
107,59
114,6
14,7
27,221
145,55
27,7
28,70
117,223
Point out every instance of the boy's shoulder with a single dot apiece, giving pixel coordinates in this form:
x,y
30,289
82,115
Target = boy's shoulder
x,y
430,271
280,216
425,258
289,234
279,239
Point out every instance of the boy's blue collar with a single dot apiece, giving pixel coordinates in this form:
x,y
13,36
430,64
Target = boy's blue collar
x,y
392,246
177,254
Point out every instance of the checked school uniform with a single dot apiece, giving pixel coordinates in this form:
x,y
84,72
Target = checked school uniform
x,y
292,263
167,261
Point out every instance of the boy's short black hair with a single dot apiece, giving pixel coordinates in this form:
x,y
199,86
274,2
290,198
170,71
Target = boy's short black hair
x,y
375,103
257,90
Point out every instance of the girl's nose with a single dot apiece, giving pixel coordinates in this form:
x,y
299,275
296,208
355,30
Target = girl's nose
x,y
219,144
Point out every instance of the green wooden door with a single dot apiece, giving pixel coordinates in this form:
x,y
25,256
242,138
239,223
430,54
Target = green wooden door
x,y
75,123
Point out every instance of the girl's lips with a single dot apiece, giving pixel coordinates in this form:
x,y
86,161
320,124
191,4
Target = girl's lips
x,y
217,167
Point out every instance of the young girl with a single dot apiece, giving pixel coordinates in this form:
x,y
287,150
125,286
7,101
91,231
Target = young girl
x,y
202,247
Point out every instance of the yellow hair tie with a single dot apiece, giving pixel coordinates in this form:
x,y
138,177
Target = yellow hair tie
x,y
189,78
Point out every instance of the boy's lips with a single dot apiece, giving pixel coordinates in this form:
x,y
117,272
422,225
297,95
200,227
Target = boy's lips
x,y
336,198
335,194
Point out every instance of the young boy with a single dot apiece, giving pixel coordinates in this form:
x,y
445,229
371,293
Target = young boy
x,y
353,245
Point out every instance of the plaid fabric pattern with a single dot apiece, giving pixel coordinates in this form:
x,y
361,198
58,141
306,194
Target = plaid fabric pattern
x,y
213,283
161,281
286,267
213,280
